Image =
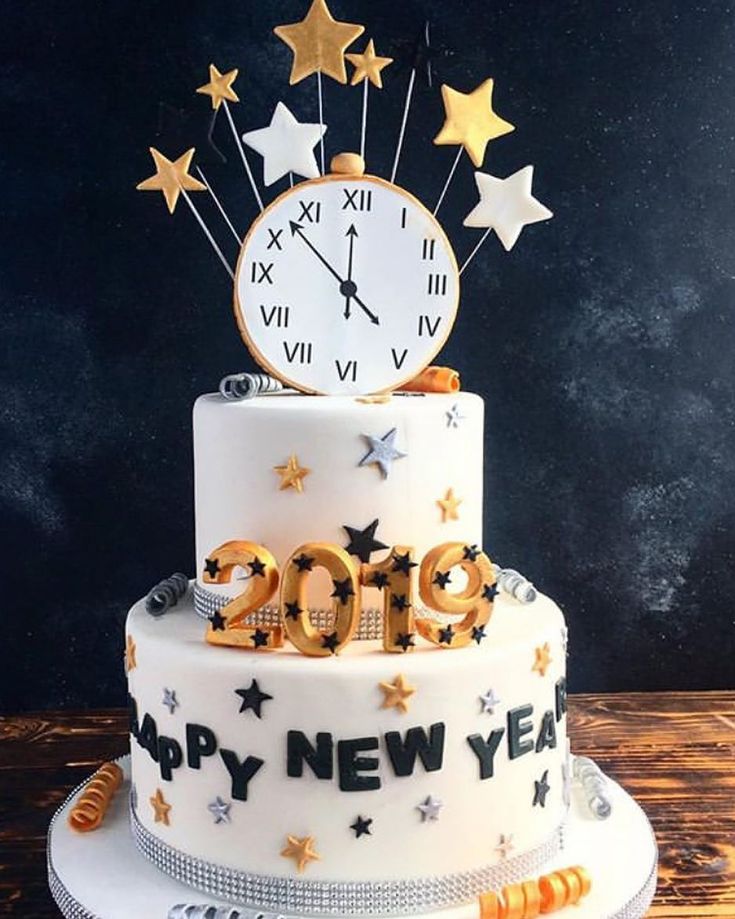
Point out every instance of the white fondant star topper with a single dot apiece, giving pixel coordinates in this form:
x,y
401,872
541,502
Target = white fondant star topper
x,y
506,205
286,146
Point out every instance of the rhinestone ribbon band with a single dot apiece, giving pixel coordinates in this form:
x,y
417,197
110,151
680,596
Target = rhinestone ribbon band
x,y
359,898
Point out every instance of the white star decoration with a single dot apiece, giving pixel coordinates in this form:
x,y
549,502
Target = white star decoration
x,y
220,810
454,417
506,205
489,700
286,146
170,700
505,845
382,451
430,808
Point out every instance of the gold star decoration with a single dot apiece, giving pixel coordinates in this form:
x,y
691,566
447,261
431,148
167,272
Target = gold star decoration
x,y
449,504
160,808
171,177
292,475
397,693
368,66
471,121
319,43
543,659
130,662
301,850
220,86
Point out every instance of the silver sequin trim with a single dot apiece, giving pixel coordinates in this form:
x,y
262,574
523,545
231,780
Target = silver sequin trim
x,y
207,603
359,898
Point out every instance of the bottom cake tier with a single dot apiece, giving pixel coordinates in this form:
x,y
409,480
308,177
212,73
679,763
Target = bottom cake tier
x,y
102,875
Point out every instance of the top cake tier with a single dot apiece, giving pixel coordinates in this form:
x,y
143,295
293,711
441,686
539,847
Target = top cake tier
x,y
286,469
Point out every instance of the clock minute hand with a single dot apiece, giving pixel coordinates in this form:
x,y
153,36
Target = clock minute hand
x,y
351,233
297,230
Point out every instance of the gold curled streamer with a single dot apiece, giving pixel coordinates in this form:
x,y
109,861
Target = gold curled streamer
x,y
528,900
433,379
91,806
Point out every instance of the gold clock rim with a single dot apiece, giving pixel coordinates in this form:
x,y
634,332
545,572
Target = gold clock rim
x,y
237,309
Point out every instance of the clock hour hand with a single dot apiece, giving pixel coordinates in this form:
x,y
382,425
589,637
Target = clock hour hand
x,y
347,288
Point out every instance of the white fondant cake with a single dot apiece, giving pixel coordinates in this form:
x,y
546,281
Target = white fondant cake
x,y
277,707
237,446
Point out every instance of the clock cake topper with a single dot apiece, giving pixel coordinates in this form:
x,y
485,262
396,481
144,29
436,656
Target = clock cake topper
x,y
345,283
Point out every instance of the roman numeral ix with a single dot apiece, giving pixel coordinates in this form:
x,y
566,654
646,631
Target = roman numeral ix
x,y
261,272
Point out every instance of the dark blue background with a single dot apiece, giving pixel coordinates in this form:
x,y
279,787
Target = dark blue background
x,y
603,343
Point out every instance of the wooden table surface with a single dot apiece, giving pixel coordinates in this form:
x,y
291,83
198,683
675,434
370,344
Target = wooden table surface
x,y
675,752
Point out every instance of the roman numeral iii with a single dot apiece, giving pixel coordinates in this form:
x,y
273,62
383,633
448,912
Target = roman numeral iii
x,y
357,199
299,351
279,314
426,326
261,272
437,283
349,371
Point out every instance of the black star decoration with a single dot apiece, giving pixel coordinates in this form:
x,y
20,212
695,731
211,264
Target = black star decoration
x,y
490,592
403,563
217,621
343,590
380,579
303,562
211,567
471,552
399,602
405,641
260,639
330,641
541,790
478,633
420,55
361,826
257,568
363,542
442,578
252,698
446,635
293,610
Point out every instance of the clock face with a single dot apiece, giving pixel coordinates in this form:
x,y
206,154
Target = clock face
x,y
346,284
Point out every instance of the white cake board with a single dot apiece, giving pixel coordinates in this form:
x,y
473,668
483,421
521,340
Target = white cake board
x,y
101,875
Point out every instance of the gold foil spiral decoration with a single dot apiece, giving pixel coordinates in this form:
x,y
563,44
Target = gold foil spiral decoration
x,y
91,806
433,379
549,893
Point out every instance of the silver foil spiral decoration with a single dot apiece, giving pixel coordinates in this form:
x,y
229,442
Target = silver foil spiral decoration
x,y
594,783
166,594
238,386
513,583
207,911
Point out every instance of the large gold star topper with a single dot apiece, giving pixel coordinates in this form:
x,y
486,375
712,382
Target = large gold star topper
x,y
471,121
301,850
319,43
171,177
368,66
220,86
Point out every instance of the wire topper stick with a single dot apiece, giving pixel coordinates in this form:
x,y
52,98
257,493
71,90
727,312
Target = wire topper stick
x,y
318,44
173,180
368,67
220,90
470,122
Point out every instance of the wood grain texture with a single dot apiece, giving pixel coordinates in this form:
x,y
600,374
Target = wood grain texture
x,y
675,752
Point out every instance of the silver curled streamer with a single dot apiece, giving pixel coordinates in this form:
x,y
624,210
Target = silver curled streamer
x,y
513,583
166,594
238,386
69,907
341,898
594,782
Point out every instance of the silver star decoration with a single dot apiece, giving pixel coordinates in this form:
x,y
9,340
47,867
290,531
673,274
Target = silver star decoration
x,y
489,700
382,451
170,700
565,639
430,808
454,417
133,797
505,845
220,810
